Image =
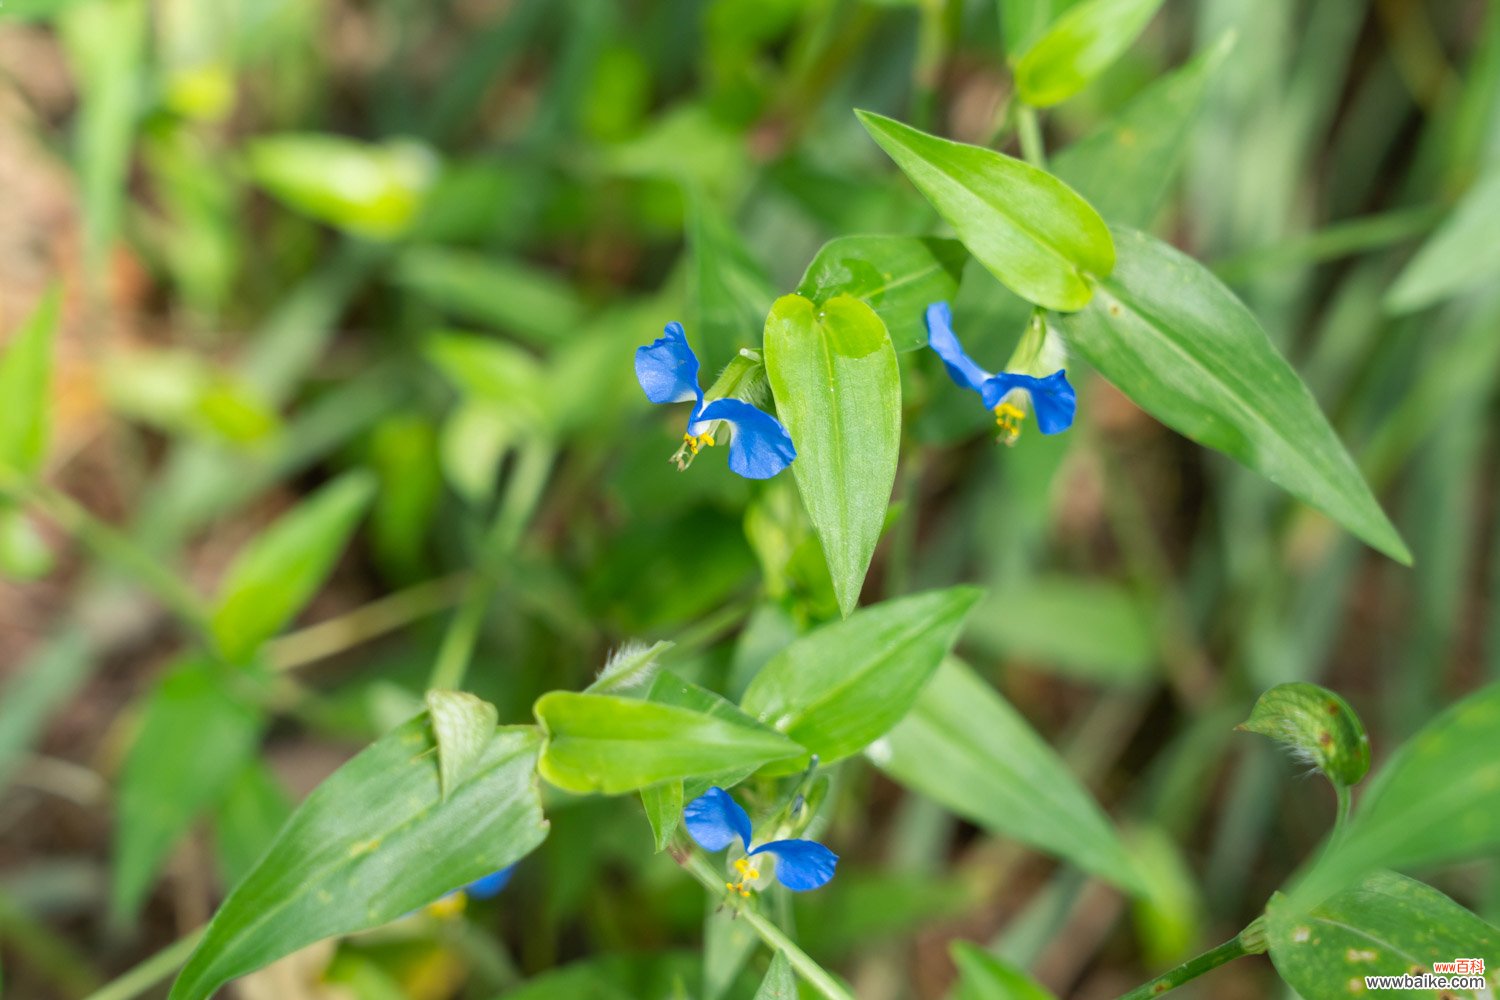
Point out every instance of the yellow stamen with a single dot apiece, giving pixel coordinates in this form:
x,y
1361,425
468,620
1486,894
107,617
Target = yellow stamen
x,y
1009,417
700,441
748,873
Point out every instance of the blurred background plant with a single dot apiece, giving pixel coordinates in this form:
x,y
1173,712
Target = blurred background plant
x,y
349,289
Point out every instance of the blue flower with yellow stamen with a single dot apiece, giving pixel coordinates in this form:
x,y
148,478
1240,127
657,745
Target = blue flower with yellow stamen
x,y
759,447
714,821
1009,393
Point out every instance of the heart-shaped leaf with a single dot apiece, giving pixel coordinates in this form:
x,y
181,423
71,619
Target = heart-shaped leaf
x,y
897,276
837,385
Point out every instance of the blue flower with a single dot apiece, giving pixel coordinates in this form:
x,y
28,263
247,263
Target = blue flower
x,y
1008,393
715,821
759,447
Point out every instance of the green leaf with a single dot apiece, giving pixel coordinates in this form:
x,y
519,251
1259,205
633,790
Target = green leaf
x,y
1462,255
780,983
1029,229
25,385
372,843
1387,925
1437,799
1317,725
1126,167
273,577
1078,47
984,976
840,688
1178,343
967,748
669,689
369,190
182,392
897,276
197,733
603,743
837,385
663,805
504,294
1090,629
728,291
462,725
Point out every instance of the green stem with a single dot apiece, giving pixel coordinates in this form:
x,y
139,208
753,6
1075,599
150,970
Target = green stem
x,y
1250,941
811,972
1342,817
108,544
1030,129
929,62
150,972
366,622
523,491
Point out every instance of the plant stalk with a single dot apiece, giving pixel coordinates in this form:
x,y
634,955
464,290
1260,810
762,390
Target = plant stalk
x,y
1250,941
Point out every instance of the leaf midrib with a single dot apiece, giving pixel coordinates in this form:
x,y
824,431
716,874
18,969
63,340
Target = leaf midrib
x,y
1156,324
304,887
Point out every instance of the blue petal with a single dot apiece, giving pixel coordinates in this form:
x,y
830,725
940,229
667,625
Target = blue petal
x,y
941,338
760,447
667,368
714,820
490,885
1052,397
801,864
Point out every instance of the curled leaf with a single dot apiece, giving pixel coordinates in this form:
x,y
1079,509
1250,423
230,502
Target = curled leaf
x,y
1318,726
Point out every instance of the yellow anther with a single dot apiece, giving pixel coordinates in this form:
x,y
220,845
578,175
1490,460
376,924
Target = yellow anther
x,y
1009,417
694,443
747,872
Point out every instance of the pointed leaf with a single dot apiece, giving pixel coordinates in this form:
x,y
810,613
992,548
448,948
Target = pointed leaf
x,y
1178,343
840,688
1030,230
274,576
897,276
966,747
1078,46
602,743
1387,925
196,735
837,385
462,725
25,386
372,843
